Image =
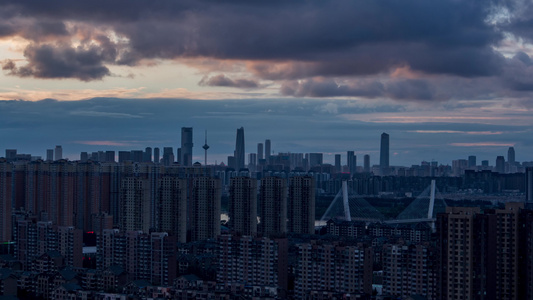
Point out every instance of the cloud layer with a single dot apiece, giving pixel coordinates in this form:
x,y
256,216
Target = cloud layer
x,y
334,48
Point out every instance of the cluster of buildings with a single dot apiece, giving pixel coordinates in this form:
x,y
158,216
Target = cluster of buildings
x,y
149,226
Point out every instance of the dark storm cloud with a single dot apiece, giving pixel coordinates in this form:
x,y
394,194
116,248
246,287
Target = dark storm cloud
x,y
49,61
223,80
280,41
310,31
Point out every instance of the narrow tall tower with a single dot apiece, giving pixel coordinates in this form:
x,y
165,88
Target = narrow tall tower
x,y
205,146
384,155
268,151
186,146
529,185
239,149
259,151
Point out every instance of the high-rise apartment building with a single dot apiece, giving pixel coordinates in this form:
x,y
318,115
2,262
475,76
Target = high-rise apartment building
x,y
301,205
511,156
338,166
156,155
409,269
472,161
334,268
500,164
268,151
316,159
205,208
253,261
11,155
147,154
49,154
367,163
239,150
147,256
260,150
243,205
529,185
351,161
171,207
168,156
6,175
58,152
384,155
135,206
479,253
273,206
186,146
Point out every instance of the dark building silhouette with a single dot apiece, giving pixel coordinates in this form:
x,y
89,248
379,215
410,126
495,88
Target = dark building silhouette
x,y
239,150
384,155
243,205
186,146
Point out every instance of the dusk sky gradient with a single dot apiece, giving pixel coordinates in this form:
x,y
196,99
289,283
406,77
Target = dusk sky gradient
x,y
445,78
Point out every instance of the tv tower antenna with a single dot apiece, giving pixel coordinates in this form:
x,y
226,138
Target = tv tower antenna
x,y
205,146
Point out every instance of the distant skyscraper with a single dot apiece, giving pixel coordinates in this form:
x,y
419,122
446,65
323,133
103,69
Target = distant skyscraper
x,y
367,163
301,205
500,164
205,208
273,206
58,152
137,155
252,161
384,155
268,151
511,156
351,161
156,155
243,205
239,149
529,185
472,161
316,159
147,154
186,146
485,163
49,154
124,156
11,154
84,156
110,156
168,156
260,151
338,167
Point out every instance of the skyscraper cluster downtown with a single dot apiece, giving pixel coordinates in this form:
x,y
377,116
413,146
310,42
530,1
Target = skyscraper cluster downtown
x,y
149,226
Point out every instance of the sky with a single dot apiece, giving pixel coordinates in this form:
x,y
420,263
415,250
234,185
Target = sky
x,y
445,78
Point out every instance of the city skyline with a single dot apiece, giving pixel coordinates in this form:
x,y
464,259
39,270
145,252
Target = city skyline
x,y
127,125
